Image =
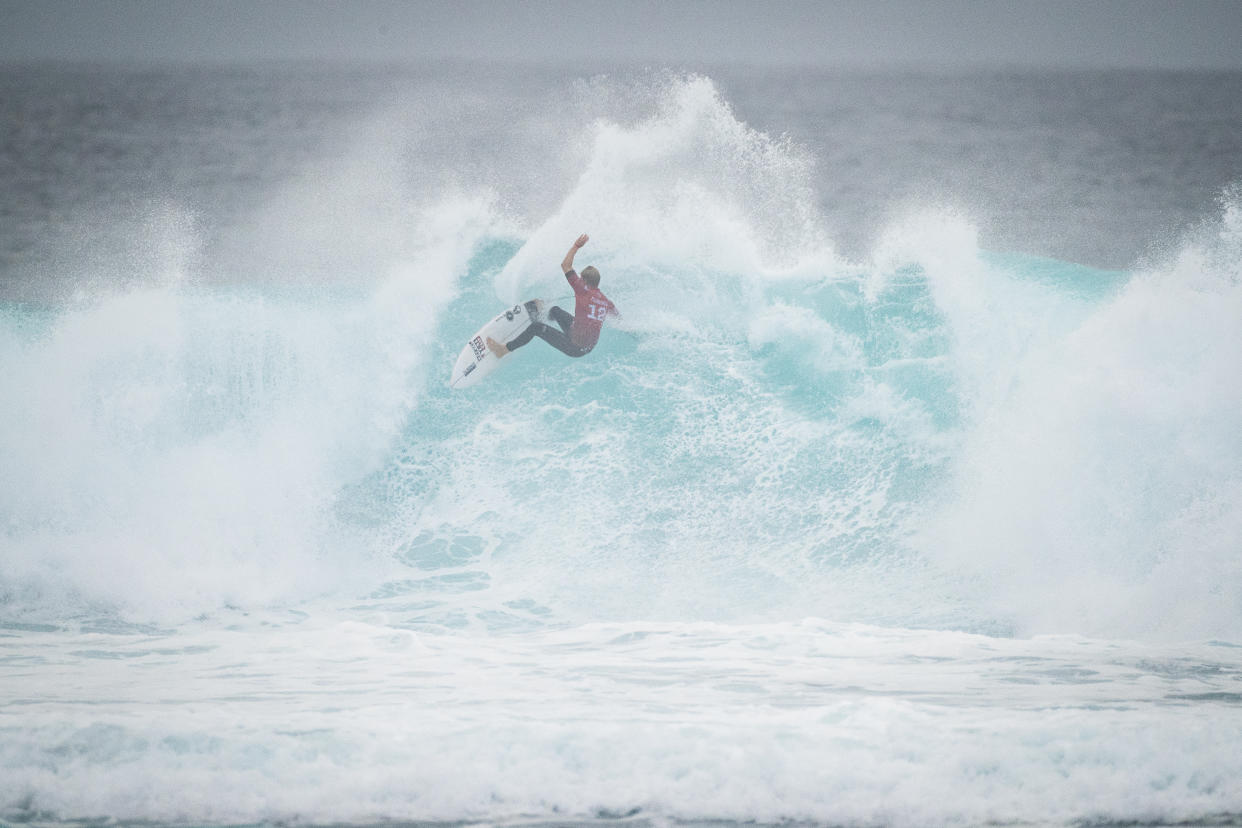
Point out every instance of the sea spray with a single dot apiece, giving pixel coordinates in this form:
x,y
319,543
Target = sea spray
x,y
177,449
1099,492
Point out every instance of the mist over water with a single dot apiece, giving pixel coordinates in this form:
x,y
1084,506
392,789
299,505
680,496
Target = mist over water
x,y
225,425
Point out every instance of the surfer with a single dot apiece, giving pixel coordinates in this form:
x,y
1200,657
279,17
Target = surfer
x,y
578,332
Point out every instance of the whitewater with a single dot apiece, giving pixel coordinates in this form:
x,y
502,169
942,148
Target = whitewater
x,y
899,516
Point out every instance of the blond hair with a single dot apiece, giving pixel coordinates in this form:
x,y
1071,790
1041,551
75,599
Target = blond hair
x,y
591,276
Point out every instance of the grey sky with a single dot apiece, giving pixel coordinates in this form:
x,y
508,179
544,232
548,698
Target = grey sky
x,y
1103,33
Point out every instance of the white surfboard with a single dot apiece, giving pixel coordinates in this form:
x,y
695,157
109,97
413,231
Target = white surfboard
x,y
476,361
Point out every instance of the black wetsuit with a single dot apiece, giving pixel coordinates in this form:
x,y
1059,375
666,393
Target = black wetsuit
x,y
558,339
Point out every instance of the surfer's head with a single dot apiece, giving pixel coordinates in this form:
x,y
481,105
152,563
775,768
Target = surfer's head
x,y
591,276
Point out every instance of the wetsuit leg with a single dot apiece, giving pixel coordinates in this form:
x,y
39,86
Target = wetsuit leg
x,y
561,317
564,343
557,339
524,337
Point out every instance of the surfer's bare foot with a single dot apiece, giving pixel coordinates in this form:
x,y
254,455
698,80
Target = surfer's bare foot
x,y
496,348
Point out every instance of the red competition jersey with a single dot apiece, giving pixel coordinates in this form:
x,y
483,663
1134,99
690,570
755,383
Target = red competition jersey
x,y
590,308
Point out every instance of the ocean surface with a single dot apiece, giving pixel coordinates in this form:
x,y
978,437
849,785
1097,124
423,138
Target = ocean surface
x,y
907,491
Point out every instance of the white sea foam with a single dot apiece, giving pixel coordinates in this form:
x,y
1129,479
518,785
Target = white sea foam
x,y
176,450
806,721
1098,493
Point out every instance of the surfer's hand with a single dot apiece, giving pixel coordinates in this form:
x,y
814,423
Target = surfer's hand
x,y
583,239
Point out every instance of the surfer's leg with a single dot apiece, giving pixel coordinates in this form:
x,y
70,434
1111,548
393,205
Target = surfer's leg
x,y
535,329
557,339
561,342
542,329
561,317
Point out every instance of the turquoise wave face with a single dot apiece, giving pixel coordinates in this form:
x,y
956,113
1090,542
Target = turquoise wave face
x,y
749,448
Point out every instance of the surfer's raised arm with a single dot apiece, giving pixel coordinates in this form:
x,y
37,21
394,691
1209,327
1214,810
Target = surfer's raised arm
x,y
568,264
